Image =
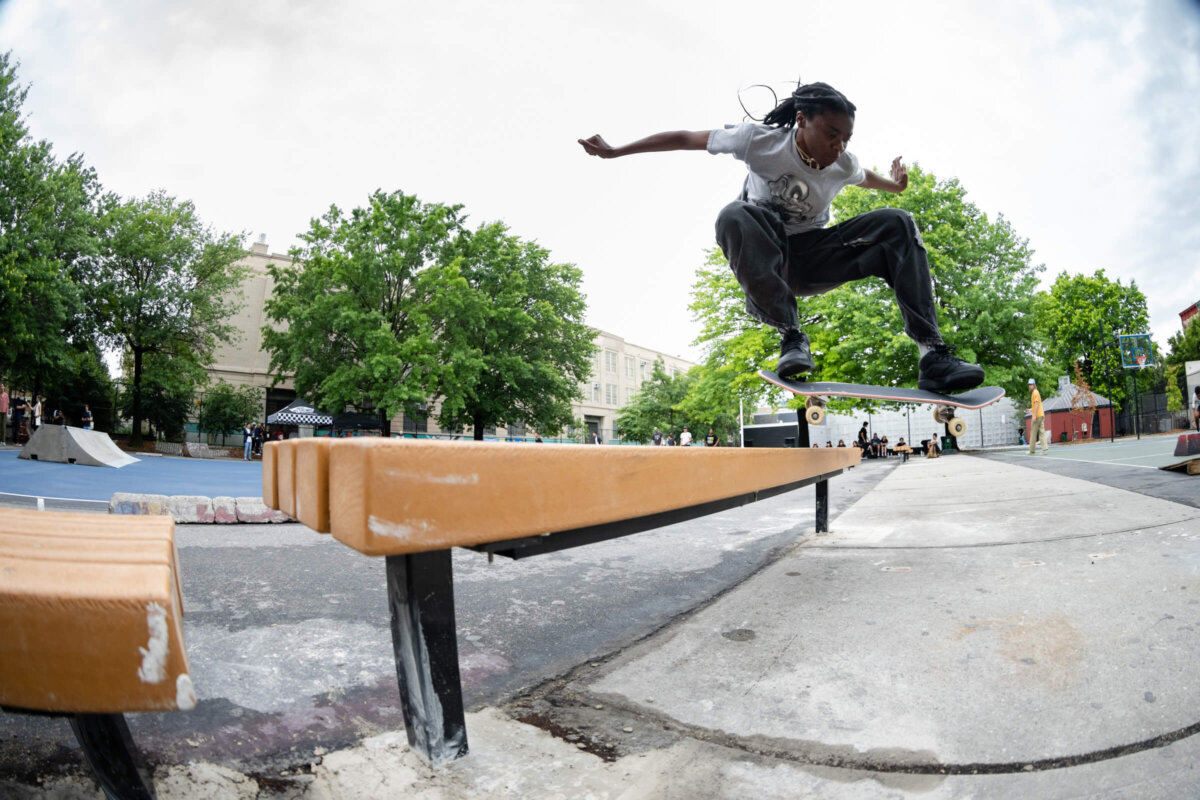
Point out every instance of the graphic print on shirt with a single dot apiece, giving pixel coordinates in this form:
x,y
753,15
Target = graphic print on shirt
x,y
789,196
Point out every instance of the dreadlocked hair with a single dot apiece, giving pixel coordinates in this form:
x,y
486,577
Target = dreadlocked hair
x,y
811,100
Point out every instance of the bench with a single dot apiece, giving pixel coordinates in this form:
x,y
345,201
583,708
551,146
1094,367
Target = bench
x,y
92,618
412,501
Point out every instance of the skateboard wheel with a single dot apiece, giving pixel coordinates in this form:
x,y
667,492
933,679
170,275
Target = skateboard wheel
x,y
957,427
815,415
943,414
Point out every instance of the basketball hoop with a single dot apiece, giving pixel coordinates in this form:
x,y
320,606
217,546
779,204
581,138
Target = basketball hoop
x,y
1141,361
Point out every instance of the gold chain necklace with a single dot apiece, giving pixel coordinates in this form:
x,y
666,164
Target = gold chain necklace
x,y
805,157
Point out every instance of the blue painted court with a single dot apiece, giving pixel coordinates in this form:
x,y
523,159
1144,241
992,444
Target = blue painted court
x,y
150,475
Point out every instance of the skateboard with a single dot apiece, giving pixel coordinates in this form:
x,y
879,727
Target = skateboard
x,y
817,394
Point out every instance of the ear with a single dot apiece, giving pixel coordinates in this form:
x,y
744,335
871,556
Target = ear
x,y
801,120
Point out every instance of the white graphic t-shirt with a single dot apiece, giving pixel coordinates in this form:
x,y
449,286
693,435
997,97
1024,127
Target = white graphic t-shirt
x,y
779,179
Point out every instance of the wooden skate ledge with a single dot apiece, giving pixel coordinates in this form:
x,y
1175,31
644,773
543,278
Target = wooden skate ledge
x,y
387,497
91,627
92,614
412,501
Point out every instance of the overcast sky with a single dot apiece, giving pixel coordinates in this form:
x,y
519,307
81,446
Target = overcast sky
x,y
1078,121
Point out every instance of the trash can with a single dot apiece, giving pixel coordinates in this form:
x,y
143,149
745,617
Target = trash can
x,y
947,444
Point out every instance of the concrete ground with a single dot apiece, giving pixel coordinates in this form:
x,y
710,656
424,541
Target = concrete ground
x,y
983,627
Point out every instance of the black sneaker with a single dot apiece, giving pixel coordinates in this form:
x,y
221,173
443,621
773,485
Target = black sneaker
x,y
794,355
941,371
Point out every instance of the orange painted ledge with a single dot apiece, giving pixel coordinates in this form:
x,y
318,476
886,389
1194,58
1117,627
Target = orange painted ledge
x,y
396,496
92,614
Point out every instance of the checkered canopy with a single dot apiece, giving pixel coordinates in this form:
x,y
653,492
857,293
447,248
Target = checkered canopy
x,y
299,412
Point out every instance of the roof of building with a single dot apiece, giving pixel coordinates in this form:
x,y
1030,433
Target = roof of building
x,y
1068,394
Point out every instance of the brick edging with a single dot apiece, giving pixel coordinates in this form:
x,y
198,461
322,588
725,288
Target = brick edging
x,y
193,509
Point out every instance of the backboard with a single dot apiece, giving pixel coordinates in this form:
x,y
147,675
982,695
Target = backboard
x,y
1137,351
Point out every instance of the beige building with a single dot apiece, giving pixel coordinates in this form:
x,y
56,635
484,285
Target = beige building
x,y
618,371
618,367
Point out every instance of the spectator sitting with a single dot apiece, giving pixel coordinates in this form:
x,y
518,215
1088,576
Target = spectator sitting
x,y
873,451
841,442
883,446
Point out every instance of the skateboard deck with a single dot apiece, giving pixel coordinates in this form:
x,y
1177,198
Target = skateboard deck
x,y
818,392
975,398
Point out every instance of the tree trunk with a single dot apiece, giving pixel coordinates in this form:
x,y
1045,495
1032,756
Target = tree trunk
x,y
385,424
135,436
478,428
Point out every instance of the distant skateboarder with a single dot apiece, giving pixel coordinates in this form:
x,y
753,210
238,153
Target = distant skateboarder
x,y
774,234
1037,425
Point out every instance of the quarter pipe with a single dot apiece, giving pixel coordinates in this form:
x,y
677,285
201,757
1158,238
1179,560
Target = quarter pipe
x,y
66,445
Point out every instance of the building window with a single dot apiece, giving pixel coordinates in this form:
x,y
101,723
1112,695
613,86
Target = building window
x,y
610,360
629,367
595,393
418,421
610,394
628,394
516,429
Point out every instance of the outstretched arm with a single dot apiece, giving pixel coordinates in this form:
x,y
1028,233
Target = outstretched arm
x,y
655,143
896,185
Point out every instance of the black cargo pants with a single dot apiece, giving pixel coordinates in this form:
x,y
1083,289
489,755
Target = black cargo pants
x,y
775,268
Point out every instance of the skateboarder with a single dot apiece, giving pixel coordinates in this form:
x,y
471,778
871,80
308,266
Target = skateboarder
x,y
1037,431
775,238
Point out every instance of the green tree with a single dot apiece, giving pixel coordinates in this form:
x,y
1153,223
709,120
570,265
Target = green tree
x,y
164,395
517,342
225,408
360,309
1079,318
162,284
1184,346
47,224
984,287
83,378
1174,393
657,406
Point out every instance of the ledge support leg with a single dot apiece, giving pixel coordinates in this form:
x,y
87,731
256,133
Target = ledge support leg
x,y
822,506
113,757
424,637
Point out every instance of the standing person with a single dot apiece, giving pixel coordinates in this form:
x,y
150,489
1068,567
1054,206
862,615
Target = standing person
x,y
711,439
37,412
685,438
257,440
1038,426
1196,408
18,417
774,234
863,438
656,439
3,415
247,442
85,419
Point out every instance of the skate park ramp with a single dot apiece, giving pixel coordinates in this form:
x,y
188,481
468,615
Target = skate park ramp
x,y
66,445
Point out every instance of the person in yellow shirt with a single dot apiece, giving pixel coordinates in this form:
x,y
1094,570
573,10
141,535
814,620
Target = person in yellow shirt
x,y
1037,429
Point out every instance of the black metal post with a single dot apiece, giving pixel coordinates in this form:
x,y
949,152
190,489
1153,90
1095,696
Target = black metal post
x,y
113,757
822,506
421,600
